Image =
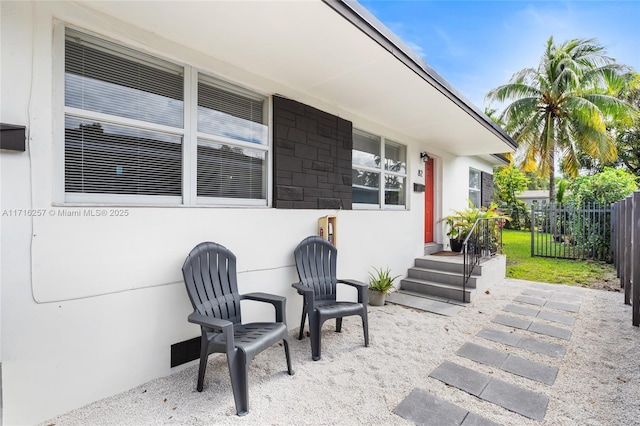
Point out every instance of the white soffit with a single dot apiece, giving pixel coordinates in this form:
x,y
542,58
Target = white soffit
x,y
308,46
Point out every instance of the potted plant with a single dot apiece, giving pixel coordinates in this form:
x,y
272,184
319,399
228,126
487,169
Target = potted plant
x,y
460,223
380,285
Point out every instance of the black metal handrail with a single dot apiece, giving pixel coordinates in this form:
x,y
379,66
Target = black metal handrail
x,y
484,240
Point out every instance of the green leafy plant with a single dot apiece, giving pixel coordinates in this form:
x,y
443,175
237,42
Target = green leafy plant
x,y
460,223
381,280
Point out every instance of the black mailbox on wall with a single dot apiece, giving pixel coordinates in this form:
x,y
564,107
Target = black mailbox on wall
x,y
12,137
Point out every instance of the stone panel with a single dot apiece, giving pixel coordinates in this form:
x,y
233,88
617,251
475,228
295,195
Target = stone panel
x,y
312,157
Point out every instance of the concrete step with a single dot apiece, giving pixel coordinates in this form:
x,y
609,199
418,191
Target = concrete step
x,y
436,305
439,276
445,263
432,297
430,248
446,291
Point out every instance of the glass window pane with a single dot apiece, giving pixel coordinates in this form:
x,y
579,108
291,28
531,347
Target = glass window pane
x,y
366,187
395,157
222,112
366,149
474,179
230,172
394,190
112,82
111,159
474,197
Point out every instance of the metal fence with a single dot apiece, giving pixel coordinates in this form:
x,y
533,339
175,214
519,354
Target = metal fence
x,y
484,240
625,243
571,232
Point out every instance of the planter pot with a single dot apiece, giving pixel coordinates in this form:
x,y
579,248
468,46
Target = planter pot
x,y
456,245
376,298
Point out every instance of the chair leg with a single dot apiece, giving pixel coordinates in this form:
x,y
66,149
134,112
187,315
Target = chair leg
x,y
339,325
204,357
286,354
239,372
304,316
315,326
365,327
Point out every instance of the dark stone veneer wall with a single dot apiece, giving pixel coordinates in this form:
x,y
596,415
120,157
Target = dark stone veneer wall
x,y
486,190
311,157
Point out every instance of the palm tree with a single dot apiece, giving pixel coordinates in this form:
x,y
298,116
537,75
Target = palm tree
x,y
561,108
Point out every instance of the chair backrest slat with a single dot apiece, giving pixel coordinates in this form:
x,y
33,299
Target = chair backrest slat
x,y
210,277
316,264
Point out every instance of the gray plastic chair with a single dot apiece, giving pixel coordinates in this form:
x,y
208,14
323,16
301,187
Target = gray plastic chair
x,y
316,264
210,276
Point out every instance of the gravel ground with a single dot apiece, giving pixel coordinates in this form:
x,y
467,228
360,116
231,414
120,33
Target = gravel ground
x,y
598,381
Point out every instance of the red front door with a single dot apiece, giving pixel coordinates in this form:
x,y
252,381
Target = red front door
x,y
428,201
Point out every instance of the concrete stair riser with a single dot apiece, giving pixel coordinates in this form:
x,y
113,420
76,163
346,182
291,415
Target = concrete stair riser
x,y
456,266
445,291
441,277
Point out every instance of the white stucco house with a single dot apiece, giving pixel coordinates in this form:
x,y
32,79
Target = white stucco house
x,y
134,130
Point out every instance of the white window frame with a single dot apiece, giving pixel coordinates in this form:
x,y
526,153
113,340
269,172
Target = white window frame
x,y
477,190
188,133
382,172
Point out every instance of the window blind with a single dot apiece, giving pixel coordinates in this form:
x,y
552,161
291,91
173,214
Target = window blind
x,y
121,84
112,159
231,114
230,172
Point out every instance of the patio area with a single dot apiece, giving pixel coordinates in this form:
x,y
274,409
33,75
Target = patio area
x,y
522,353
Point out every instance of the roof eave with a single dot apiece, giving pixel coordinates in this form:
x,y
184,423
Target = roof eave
x,y
360,17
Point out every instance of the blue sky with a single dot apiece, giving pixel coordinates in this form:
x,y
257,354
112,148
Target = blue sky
x,y
479,45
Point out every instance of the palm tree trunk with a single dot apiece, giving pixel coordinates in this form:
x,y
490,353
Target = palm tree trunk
x,y
551,147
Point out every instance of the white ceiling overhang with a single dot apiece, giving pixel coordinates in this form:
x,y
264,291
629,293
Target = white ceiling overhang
x,y
334,52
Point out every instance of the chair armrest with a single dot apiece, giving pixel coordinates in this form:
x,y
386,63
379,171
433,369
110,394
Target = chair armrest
x,y
216,324
354,283
302,289
307,292
278,302
363,294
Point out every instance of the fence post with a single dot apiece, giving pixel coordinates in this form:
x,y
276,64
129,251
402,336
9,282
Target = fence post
x,y
635,258
613,226
628,210
622,242
619,234
533,226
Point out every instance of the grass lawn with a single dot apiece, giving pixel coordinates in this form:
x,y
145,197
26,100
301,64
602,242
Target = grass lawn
x,y
517,246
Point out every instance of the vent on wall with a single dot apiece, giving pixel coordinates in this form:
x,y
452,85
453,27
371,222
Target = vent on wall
x,y
184,352
12,137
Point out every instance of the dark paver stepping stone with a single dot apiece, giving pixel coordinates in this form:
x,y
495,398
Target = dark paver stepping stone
x,y
522,310
423,408
530,300
550,330
482,355
563,297
531,370
528,343
514,398
538,293
476,420
510,321
508,362
538,346
559,318
461,377
562,306
499,336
